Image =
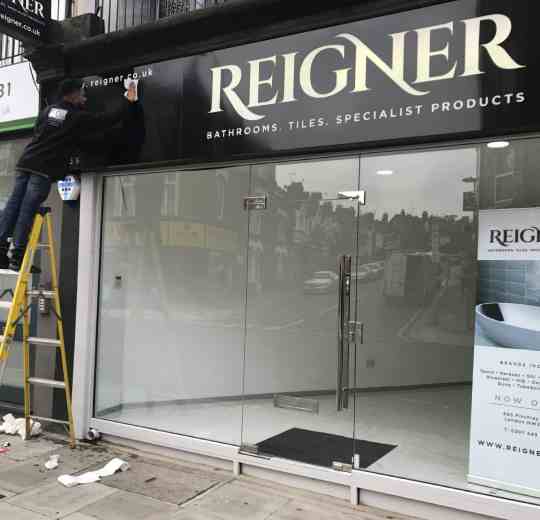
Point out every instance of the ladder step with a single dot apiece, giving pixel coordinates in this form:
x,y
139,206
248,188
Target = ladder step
x,y
52,383
36,293
9,272
6,305
45,342
48,419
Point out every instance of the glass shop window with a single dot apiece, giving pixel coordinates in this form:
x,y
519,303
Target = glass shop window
x,y
10,152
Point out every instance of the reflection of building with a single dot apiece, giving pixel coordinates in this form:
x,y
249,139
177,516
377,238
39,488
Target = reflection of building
x,y
509,176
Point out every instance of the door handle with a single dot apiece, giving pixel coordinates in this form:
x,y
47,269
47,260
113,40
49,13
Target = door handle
x,y
344,332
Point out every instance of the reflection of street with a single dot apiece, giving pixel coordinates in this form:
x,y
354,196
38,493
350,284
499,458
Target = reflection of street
x,y
382,321
282,310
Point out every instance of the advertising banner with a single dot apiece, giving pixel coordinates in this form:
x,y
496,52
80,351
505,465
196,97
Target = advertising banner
x,y
460,68
505,415
19,97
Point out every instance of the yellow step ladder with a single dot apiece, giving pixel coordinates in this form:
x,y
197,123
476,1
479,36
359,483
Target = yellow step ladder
x,y
19,309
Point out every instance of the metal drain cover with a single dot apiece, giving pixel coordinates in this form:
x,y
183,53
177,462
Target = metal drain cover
x,y
296,403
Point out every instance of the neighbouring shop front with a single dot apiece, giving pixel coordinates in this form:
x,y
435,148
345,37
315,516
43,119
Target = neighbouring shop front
x,y
19,101
317,254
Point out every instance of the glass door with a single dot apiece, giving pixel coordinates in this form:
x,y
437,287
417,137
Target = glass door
x,y
416,297
301,298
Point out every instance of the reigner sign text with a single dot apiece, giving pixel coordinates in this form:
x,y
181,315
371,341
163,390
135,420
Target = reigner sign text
x,y
355,78
25,20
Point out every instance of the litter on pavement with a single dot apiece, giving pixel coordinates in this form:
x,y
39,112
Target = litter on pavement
x,y
94,476
12,426
52,463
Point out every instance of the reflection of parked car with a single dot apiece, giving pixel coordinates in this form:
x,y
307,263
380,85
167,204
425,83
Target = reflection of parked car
x,y
377,269
322,282
363,274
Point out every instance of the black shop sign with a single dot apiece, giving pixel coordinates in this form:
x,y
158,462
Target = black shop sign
x,y
25,20
463,68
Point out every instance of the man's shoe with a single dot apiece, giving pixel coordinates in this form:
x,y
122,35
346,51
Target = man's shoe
x,y
15,261
14,265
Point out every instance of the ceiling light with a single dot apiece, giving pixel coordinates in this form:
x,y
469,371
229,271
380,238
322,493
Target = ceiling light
x,y
498,144
385,172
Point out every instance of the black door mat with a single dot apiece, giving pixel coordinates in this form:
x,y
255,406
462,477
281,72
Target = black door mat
x,y
321,449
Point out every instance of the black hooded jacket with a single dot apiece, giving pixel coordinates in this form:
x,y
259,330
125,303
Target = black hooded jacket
x,y
59,131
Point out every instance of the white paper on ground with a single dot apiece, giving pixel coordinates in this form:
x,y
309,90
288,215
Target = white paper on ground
x,y
52,463
86,478
12,426
112,467
94,476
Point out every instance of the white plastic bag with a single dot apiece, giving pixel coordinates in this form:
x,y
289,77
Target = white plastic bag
x,y
12,426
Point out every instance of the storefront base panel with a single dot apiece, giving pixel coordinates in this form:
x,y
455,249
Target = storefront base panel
x,y
409,497
497,484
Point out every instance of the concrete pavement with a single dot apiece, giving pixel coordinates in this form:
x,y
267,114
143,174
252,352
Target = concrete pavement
x,y
152,489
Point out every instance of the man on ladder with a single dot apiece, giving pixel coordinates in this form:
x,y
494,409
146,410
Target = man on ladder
x,y
59,130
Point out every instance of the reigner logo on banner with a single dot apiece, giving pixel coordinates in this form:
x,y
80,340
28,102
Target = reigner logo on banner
x,y
509,234
506,237
354,77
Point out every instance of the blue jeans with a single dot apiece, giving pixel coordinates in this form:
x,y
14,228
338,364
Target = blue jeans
x,y
29,192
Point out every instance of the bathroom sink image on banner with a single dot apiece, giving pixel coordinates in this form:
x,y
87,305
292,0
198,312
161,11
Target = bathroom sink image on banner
x,y
508,313
510,324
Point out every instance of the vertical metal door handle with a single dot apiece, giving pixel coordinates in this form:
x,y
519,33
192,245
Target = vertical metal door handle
x,y
344,314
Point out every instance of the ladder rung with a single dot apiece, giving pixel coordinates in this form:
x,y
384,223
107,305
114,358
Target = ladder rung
x,y
46,342
9,272
52,383
48,419
5,305
42,245
36,293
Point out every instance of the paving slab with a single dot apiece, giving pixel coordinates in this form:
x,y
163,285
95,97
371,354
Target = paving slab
x,y
21,451
17,513
78,516
195,514
302,510
236,501
55,501
129,506
171,482
4,493
27,475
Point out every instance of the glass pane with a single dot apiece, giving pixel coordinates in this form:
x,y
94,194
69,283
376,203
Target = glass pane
x,y
415,368
292,305
171,315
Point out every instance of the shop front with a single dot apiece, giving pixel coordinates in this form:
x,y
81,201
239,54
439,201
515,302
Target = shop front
x,y
292,259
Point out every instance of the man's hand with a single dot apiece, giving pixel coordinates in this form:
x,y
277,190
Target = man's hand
x,y
132,92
